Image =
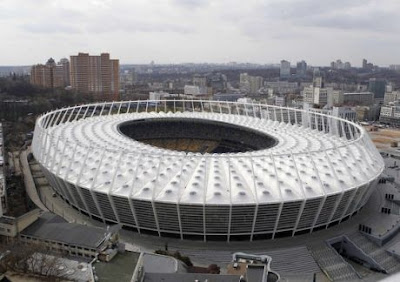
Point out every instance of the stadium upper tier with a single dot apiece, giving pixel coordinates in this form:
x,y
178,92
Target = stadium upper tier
x,y
295,171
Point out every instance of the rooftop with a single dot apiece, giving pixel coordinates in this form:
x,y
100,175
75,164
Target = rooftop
x,y
54,228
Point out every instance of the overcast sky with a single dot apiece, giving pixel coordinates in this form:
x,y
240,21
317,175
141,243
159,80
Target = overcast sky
x,y
178,31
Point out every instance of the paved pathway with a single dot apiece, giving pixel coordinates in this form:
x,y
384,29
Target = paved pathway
x,y
29,181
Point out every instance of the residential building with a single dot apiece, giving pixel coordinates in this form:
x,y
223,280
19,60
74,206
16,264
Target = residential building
x,y
318,94
285,69
339,65
301,69
255,83
97,75
61,74
42,75
51,75
250,84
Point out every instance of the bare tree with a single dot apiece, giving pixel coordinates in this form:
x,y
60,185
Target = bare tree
x,y
31,259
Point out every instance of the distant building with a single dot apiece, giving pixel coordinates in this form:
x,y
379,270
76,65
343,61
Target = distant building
x,y
280,101
339,65
42,75
285,69
367,113
366,65
338,98
97,75
250,84
301,69
358,98
394,67
218,82
317,94
391,96
61,74
378,87
200,80
51,75
390,114
3,190
282,87
195,90
255,83
230,97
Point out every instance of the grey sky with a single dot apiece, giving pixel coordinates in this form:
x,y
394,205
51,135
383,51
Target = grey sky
x,y
176,31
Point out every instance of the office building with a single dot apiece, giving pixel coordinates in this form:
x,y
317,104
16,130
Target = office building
x,y
285,69
97,75
358,98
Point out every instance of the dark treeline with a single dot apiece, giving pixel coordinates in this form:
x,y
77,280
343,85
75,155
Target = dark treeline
x,y
18,98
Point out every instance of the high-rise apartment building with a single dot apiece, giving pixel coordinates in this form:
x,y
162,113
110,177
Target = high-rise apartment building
x,y
42,75
61,74
98,75
285,69
51,75
249,83
301,69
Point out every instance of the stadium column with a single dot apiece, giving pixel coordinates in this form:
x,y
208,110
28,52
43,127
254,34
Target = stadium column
x,y
322,188
337,181
154,190
255,197
132,191
78,180
119,159
92,186
179,199
302,191
205,200
230,199
65,180
278,216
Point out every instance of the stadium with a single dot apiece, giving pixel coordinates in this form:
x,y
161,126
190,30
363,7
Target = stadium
x,y
207,170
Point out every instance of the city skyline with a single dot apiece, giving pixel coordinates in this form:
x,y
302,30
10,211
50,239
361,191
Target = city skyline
x,y
197,31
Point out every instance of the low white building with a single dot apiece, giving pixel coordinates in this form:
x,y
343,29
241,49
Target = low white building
x,y
195,90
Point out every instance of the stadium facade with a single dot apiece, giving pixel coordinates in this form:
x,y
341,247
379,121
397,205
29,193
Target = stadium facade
x,y
207,170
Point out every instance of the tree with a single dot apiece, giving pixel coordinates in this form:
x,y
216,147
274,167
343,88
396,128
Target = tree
x,y
31,259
